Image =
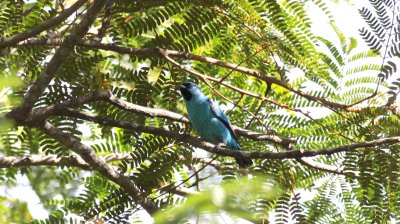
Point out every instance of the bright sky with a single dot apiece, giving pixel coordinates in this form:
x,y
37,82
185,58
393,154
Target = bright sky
x,y
348,20
346,17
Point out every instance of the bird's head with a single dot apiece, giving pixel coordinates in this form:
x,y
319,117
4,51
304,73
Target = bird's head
x,y
190,90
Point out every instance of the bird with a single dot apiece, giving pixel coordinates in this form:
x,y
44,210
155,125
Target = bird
x,y
209,121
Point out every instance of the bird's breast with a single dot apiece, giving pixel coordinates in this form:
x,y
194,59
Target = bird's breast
x,y
206,124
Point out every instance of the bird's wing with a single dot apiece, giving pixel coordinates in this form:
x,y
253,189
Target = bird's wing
x,y
220,115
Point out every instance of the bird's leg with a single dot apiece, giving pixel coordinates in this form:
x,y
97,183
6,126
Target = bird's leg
x,y
220,146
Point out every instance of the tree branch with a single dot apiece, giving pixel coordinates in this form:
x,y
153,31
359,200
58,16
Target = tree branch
x,y
54,160
304,161
107,96
9,41
236,89
256,74
106,20
36,90
43,160
152,112
43,112
90,157
165,53
197,142
74,161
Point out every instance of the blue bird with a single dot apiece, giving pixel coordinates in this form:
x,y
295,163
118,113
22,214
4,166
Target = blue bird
x,y
209,120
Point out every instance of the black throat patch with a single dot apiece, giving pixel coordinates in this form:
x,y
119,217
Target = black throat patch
x,y
186,94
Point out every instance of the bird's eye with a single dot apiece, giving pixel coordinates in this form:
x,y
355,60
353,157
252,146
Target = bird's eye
x,y
188,85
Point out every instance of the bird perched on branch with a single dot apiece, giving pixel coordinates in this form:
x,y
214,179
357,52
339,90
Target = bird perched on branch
x,y
209,120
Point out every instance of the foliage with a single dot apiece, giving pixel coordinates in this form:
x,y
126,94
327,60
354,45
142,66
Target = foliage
x,y
330,93
13,211
233,196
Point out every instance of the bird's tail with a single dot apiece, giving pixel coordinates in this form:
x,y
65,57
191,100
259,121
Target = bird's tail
x,y
243,162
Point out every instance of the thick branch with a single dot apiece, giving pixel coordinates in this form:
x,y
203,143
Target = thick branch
x,y
159,52
197,142
235,67
43,112
256,74
90,157
36,90
76,161
9,41
150,112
